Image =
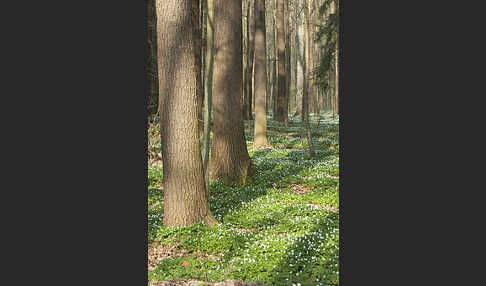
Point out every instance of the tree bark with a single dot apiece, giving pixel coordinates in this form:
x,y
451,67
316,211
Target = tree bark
x,y
337,61
287,57
282,103
229,160
305,95
300,44
310,47
261,139
293,60
275,63
208,86
250,58
185,196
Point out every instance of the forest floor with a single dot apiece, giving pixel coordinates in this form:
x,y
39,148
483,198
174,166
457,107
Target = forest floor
x,y
282,228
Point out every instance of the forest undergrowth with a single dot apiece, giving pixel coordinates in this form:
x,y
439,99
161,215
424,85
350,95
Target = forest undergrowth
x,y
282,228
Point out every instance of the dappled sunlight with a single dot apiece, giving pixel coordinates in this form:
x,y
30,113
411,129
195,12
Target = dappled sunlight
x,y
281,228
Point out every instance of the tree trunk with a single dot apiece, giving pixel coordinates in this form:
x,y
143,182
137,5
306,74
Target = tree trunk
x,y
317,107
293,65
250,58
229,160
275,62
310,47
260,76
208,86
337,62
185,196
299,41
282,104
305,95
287,57
244,24
197,50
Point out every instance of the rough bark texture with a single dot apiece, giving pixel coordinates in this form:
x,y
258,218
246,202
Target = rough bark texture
x,y
229,160
185,197
260,76
282,103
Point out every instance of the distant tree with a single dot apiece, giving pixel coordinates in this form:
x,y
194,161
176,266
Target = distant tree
x,y
282,102
327,72
260,76
185,196
305,95
250,60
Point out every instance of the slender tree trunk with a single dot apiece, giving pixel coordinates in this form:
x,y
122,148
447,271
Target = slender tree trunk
x,y
286,54
275,63
208,86
198,44
260,76
282,103
185,196
251,51
244,24
293,61
300,60
337,61
305,96
229,160
317,109
268,57
310,47
202,25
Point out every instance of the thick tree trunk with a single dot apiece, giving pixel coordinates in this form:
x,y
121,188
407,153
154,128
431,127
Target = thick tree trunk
x,y
185,196
229,160
282,103
260,76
